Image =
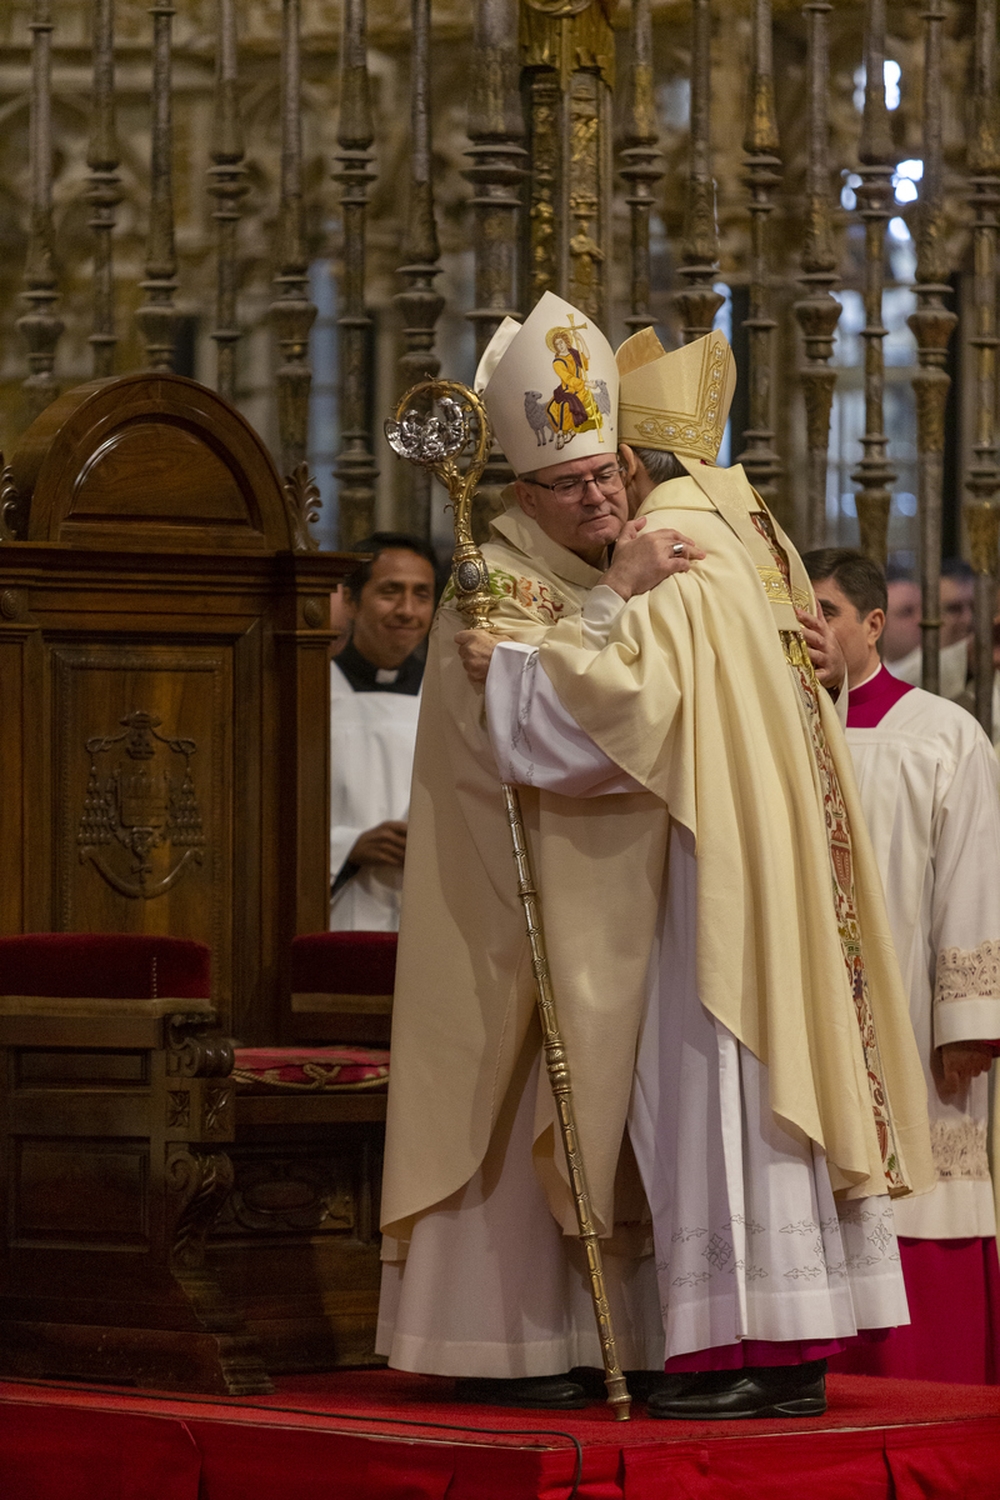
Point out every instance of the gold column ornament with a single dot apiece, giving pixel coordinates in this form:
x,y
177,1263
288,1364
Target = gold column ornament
x,y
642,164
355,469
699,301
875,196
157,317
227,185
818,312
983,475
39,325
568,48
434,424
763,176
292,312
932,324
104,189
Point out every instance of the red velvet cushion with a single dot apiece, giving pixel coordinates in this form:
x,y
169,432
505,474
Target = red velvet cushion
x,y
344,963
104,965
316,1070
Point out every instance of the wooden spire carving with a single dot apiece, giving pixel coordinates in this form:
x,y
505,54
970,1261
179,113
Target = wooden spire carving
x,y
157,317
292,312
932,324
642,164
818,312
699,301
983,476
763,176
104,189
875,206
419,301
40,325
355,469
227,185
498,170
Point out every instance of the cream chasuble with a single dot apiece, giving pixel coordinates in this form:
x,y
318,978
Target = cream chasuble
x,y
465,999
749,1241
787,886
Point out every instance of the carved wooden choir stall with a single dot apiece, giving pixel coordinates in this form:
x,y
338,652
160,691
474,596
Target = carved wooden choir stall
x,y
164,769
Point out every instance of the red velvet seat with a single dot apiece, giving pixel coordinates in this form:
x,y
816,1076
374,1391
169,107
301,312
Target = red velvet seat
x,y
342,984
104,965
311,1070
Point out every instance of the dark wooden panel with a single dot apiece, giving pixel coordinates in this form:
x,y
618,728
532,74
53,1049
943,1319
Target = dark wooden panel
x,y
185,482
71,1068
79,1112
65,1191
142,780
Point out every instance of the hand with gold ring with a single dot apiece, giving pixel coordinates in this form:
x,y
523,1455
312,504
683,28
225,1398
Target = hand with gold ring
x,y
645,558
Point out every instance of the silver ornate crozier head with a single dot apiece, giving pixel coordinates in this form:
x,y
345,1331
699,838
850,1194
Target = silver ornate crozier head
x,y
434,425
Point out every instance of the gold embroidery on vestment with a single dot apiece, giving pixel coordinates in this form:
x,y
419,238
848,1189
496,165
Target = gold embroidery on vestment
x,y
838,833
777,588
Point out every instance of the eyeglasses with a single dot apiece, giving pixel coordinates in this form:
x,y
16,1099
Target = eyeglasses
x,y
574,486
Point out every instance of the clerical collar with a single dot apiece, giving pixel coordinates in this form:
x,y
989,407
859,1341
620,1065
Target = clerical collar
x,y
365,677
872,699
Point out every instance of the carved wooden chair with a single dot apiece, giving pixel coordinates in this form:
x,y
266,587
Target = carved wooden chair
x,y
115,1106
297,1240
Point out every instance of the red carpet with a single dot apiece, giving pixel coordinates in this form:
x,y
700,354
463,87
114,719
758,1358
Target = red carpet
x,y
379,1435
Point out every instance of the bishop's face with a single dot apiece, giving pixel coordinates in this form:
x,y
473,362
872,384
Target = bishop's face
x,y
581,504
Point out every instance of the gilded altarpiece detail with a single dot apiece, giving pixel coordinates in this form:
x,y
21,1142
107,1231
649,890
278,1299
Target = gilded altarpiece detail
x,y
567,52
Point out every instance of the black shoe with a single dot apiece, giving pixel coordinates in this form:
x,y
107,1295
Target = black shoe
x,y
538,1392
756,1391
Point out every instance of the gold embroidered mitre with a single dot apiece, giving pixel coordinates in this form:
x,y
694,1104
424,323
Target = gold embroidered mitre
x,y
677,401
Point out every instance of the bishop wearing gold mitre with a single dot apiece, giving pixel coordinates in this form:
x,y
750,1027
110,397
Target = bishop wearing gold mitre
x,y
747,1086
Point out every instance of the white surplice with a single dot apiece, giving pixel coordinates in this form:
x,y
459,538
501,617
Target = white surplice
x,y
372,736
929,788
748,1239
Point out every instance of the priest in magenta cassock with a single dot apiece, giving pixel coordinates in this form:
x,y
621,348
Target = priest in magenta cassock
x,y
732,1012
928,781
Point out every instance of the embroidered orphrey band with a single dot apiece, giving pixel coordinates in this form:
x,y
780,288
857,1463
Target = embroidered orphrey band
x,y
848,925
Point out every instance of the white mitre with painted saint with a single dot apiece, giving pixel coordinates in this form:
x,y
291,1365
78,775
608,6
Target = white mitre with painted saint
x,y
677,401
550,386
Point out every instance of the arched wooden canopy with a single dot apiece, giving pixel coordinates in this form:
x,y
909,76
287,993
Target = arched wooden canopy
x,y
208,482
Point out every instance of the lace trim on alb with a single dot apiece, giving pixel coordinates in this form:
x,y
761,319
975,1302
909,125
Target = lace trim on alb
x,y
968,973
959,1150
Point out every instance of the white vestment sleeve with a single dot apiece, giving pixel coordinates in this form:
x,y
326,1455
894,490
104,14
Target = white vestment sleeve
x,y
600,612
841,701
965,915
535,741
